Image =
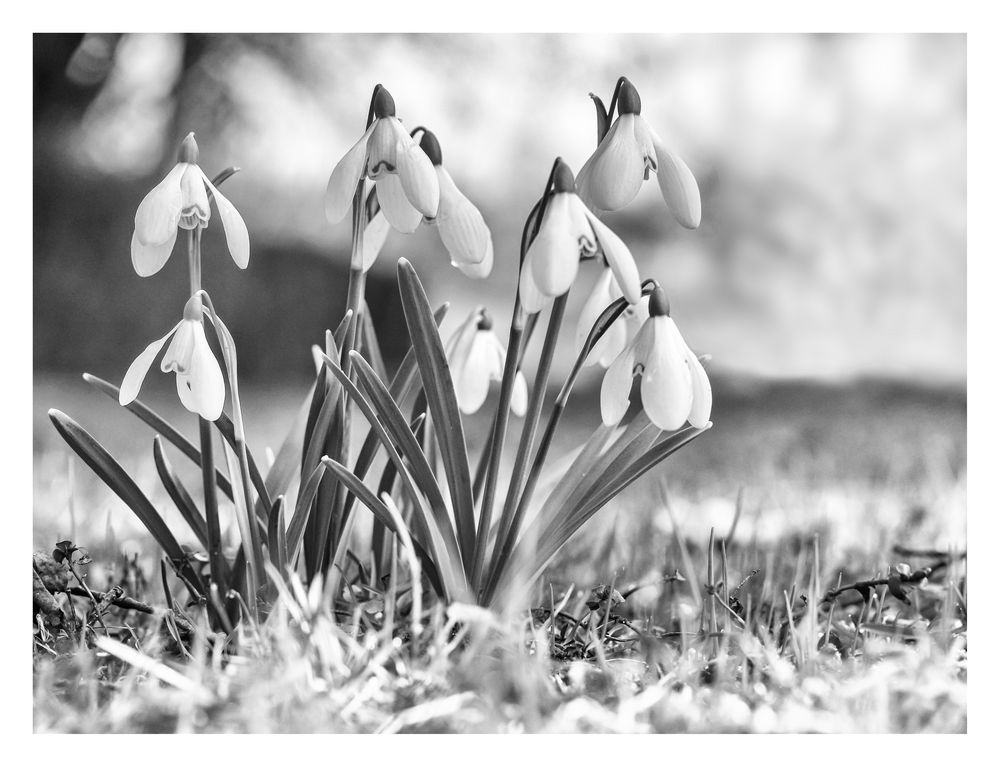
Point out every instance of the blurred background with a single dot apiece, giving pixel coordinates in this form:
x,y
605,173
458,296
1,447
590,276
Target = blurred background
x,y
827,279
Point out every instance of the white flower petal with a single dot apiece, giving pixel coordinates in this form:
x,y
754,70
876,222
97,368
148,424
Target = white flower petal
x,y
701,405
400,214
472,375
344,179
619,258
555,252
667,393
147,260
137,371
617,168
519,396
481,270
382,147
460,224
157,215
416,172
202,390
532,299
497,356
459,345
237,236
678,185
194,198
583,183
617,384
177,358
374,238
610,345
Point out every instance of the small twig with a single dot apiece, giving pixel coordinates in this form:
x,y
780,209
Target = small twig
x,y
865,587
126,603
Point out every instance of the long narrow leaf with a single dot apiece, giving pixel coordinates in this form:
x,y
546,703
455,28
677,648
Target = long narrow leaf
x,y
441,542
277,546
641,465
532,556
442,404
297,524
115,477
228,431
397,426
286,462
370,500
402,386
373,352
161,426
179,494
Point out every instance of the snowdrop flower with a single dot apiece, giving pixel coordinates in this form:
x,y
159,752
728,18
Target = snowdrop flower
x,y
622,330
460,224
611,178
182,200
476,356
405,182
200,384
567,233
674,385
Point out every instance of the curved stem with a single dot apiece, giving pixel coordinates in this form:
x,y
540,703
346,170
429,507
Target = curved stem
x,y
614,101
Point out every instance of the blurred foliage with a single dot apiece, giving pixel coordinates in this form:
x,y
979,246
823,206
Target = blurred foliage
x,y
832,169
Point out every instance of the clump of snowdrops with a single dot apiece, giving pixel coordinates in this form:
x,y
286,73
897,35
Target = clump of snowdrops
x,y
443,524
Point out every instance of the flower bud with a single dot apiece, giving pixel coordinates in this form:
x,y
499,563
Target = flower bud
x,y
659,304
189,150
384,105
562,179
431,147
628,99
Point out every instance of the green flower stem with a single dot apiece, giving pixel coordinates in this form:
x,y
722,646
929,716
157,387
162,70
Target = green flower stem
x,y
331,529
216,561
608,317
511,518
497,437
249,528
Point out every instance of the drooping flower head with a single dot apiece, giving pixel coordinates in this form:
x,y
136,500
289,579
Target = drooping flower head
x,y
674,387
406,184
476,356
567,233
200,384
181,200
460,224
622,330
611,178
